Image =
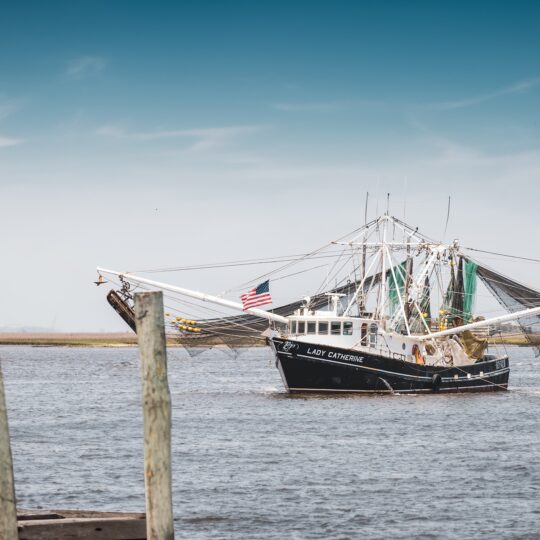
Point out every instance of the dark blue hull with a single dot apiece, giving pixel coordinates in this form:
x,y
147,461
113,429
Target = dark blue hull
x,y
318,368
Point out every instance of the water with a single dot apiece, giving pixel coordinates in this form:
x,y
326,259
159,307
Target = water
x,y
253,462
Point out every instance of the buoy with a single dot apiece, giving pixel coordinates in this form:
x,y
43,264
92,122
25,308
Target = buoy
x,y
418,355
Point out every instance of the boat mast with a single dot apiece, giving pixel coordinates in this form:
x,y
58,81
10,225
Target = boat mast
x,y
362,303
360,288
382,287
362,298
408,277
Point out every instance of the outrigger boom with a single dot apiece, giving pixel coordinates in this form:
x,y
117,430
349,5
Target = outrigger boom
x,y
198,295
283,320
485,322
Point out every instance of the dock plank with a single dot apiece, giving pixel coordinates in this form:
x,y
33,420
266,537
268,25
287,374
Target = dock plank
x,y
86,525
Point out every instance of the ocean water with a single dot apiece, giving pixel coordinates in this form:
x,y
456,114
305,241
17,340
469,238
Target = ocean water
x,y
251,461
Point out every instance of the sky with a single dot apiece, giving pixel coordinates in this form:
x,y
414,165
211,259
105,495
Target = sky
x,y
144,134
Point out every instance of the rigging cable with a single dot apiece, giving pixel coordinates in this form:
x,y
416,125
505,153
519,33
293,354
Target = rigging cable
x,y
289,264
503,255
447,217
245,262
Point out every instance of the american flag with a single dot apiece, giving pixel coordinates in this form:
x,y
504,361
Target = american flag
x,y
258,296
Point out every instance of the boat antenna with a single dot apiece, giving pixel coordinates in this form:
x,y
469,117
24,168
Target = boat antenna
x,y
366,207
447,217
405,199
388,204
361,302
377,198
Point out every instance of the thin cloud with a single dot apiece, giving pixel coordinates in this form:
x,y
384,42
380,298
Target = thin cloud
x,y
306,107
204,138
7,107
520,87
9,141
85,67
327,106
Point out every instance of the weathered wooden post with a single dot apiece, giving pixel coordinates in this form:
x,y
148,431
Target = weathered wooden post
x,y
8,507
157,415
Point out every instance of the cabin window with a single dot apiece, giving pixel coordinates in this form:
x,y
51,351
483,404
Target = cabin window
x,y
373,335
363,334
323,327
347,328
301,327
311,327
335,328
293,327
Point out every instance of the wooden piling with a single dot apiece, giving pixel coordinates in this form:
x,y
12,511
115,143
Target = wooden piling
x,y
157,415
8,508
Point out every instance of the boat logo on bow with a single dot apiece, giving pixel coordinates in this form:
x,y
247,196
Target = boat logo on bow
x,y
289,346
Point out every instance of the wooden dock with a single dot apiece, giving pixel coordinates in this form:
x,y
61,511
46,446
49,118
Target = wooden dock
x,y
70,524
157,523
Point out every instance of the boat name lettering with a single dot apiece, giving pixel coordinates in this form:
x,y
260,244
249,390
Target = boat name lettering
x,y
500,364
316,352
335,355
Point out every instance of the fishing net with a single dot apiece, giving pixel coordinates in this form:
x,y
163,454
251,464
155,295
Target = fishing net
x,y
239,331
233,332
458,302
514,297
469,289
396,285
421,321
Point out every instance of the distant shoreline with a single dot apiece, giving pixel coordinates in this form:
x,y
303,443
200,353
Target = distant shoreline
x,y
129,339
65,339
93,339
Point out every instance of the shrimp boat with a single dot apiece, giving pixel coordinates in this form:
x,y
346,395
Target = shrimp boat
x,y
399,318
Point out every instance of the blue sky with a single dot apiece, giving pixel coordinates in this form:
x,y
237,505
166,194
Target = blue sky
x,y
136,134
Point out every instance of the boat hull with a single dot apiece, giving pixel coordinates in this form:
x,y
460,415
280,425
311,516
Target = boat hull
x,y
307,367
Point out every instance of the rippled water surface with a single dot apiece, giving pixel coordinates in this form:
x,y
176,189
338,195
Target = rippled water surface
x,y
253,462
